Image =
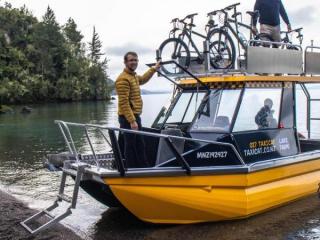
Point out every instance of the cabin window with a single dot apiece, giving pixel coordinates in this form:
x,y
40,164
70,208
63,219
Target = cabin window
x,y
217,113
186,107
259,109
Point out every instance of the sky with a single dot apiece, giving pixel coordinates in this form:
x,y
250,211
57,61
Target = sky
x,y
142,25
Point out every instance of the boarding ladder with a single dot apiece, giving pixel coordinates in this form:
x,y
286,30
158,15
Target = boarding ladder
x,y
67,170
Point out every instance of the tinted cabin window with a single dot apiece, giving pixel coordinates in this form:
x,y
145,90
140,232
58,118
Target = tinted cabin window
x,y
260,109
185,108
217,113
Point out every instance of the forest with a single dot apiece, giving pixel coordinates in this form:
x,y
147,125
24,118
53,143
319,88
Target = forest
x,y
43,61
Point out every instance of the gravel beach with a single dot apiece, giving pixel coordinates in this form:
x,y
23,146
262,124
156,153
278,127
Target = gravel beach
x,y
286,222
12,212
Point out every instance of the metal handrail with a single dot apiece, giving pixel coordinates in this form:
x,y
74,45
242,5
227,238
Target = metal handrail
x,y
167,138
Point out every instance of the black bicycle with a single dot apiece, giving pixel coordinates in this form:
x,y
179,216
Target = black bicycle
x,y
178,47
288,38
231,24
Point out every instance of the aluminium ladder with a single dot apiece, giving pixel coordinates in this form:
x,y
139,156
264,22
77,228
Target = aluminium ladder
x,y
66,171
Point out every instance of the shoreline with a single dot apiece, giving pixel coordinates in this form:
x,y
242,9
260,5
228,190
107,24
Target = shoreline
x,y
14,211
115,224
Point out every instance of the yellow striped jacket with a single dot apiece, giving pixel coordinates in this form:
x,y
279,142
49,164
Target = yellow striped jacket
x,y
129,94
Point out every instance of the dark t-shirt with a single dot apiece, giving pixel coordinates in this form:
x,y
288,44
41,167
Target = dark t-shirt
x,y
270,12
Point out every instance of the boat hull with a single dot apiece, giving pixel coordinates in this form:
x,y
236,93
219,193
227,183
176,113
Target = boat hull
x,y
194,199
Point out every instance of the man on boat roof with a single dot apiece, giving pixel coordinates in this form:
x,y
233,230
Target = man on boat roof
x,y
270,12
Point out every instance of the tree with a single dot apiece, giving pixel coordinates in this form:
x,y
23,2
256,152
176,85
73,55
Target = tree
x,y
74,37
41,61
95,47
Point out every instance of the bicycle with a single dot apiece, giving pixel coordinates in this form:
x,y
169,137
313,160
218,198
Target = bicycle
x,y
288,38
175,48
224,38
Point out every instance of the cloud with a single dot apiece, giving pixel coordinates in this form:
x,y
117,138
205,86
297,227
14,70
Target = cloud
x,y
129,46
304,15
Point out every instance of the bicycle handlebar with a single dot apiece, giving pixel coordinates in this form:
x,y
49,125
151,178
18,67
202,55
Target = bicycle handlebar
x,y
232,6
190,16
224,10
298,30
213,13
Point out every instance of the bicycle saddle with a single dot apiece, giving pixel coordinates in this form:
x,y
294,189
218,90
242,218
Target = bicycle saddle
x,y
253,14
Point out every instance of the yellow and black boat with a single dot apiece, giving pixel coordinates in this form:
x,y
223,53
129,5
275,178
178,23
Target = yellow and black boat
x,y
227,147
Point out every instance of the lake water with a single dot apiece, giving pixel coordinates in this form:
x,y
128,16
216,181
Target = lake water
x,y
26,139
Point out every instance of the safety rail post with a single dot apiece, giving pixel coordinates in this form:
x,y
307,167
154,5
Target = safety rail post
x,y
308,96
179,157
117,153
91,147
71,143
206,55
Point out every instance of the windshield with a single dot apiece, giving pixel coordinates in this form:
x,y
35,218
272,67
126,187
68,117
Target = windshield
x,y
182,110
218,111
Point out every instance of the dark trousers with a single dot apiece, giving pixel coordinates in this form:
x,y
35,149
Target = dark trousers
x,y
133,145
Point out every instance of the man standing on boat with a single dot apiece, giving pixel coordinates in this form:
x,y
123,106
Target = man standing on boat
x,y
130,108
270,12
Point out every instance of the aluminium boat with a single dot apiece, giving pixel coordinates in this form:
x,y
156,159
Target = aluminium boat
x,y
226,147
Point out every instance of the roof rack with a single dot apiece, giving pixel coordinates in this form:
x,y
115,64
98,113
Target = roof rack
x,y
282,59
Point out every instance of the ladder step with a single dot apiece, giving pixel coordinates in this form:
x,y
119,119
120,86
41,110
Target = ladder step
x,y
49,214
70,172
48,224
315,100
64,198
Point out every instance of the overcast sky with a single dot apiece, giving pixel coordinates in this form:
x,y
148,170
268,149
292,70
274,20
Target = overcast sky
x,y
142,25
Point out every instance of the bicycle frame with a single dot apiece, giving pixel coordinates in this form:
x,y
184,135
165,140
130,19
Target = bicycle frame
x,y
188,34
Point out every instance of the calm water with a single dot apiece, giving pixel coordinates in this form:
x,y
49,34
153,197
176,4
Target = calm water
x,y
26,139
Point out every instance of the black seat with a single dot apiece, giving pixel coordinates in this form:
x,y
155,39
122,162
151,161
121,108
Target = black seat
x,y
253,14
222,122
164,153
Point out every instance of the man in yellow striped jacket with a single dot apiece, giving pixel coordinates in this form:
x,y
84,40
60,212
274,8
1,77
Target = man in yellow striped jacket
x,y
130,108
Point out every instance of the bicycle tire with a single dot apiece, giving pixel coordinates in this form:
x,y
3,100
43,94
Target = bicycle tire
x,y
182,60
217,59
229,40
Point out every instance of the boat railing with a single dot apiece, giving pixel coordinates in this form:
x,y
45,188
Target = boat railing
x,y
312,60
111,139
265,57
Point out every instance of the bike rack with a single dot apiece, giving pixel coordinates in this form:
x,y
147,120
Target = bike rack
x,y
265,60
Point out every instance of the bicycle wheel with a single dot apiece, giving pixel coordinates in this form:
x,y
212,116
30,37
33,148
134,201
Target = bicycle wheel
x,y
174,49
228,47
220,55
